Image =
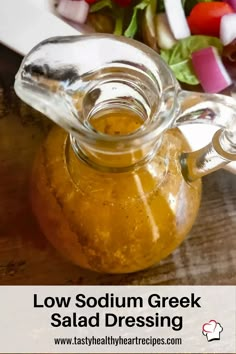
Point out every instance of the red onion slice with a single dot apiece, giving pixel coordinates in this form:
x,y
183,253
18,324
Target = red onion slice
x,y
210,70
228,28
176,18
76,11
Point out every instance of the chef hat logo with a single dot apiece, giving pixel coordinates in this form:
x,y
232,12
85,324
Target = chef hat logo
x,y
212,330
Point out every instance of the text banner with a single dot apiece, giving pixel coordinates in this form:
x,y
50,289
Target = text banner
x,y
117,319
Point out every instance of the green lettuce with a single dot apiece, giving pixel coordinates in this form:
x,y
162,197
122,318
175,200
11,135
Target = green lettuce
x,y
119,22
133,25
179,57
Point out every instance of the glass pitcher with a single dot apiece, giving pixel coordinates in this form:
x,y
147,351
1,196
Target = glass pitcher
x,y
116,188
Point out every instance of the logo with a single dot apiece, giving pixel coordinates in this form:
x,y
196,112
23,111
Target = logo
x,y
212,330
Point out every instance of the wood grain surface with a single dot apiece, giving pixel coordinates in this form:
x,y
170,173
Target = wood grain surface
x,y
208,256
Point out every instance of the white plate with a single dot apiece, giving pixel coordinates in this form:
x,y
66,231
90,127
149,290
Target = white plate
x,y
24,23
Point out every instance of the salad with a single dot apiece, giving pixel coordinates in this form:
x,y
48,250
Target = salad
x,y
196,38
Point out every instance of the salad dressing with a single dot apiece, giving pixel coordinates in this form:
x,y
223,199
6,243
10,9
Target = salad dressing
x,y
113,222
119,122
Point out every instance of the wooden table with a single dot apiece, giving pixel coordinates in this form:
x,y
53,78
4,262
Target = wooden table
x,y
208,256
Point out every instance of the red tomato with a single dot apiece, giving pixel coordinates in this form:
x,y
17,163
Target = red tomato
x,y
205,17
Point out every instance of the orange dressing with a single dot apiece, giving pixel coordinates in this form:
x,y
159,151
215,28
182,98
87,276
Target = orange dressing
x,y
113,222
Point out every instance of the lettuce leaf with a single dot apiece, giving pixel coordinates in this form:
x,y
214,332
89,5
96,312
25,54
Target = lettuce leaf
x,y
119,22
179,57
133,25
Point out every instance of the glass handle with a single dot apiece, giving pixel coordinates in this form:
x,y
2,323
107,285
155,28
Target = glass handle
x,y
218,110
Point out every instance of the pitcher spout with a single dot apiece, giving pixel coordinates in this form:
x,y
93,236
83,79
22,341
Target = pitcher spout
x,y
71,78
44,80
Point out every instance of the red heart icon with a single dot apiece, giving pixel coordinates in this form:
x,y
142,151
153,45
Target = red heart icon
x,y
210,326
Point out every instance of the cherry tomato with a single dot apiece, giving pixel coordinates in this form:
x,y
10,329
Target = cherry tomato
x,y
205,17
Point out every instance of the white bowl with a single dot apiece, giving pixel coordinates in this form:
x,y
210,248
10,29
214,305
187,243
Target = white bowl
x,y
24,23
